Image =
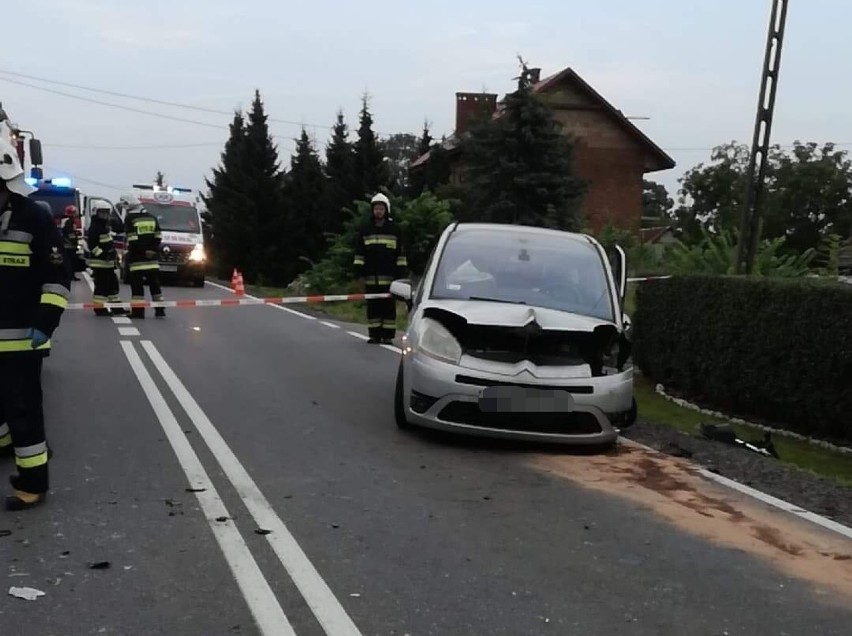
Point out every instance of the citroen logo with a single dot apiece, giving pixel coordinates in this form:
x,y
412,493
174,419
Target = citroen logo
x,y
166,249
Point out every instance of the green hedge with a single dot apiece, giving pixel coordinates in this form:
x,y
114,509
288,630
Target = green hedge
x,y
772,350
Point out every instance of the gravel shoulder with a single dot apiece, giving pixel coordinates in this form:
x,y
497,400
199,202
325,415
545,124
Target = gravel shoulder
x,y
784,481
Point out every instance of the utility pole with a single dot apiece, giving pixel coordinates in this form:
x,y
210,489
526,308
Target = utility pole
x,y
750,221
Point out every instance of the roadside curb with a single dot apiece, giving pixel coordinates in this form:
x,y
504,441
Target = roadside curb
x,y
798,511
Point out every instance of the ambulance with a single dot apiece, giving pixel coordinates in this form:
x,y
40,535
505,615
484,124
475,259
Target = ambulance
x,y
178,210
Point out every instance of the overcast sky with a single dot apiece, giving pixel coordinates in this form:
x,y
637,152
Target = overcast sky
x,y
692,67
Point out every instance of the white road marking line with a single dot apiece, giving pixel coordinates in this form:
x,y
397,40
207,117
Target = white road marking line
x,y
293,311
319,597
281,307
122,320
393,348
329,324
757,494
128,331
262,602
88,278
357,335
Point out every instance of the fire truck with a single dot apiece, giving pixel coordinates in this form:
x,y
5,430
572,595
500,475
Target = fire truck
x,y
57,192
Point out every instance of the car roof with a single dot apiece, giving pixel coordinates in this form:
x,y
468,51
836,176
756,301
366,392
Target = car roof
x,y
511,228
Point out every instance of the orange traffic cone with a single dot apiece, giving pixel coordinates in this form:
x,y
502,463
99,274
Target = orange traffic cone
x,y
234,280
240,288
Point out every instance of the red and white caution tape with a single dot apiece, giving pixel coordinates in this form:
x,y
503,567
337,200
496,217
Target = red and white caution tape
x,y
229,302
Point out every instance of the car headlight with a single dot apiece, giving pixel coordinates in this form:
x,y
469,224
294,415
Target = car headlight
x,y
197,254
436,341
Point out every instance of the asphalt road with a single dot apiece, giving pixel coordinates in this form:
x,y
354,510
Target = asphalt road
x,y
332,521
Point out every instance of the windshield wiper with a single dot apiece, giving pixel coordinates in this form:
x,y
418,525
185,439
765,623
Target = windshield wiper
x,y
498,300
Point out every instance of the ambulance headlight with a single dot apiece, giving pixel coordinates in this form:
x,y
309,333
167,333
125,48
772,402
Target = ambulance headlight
x,y
197,255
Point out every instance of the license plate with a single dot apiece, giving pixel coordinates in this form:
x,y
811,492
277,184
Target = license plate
x,y
515,399
168,268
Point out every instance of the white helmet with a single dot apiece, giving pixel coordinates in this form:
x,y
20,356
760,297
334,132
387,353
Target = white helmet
x,y
11,170
381,198
130,203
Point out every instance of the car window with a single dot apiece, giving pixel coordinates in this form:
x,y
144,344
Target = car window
x,y
544,270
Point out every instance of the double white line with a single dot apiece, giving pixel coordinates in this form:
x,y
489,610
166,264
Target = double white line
x,y
261,600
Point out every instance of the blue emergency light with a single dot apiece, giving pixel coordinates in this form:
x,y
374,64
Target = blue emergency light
x,y
61,182
31,181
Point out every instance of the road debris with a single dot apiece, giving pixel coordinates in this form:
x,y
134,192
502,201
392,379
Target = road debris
x,y
5,533
261,531
726,434
221,519
100,565
25,593
196,489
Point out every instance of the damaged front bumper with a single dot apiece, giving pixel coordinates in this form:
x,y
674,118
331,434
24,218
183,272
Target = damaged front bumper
x,y
517,403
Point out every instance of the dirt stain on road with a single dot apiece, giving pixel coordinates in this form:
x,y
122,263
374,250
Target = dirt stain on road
x,y
674,489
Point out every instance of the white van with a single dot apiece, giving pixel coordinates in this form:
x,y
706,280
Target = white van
x,y
182,252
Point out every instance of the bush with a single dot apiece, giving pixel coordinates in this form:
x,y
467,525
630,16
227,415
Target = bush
x,y
421,221
778,350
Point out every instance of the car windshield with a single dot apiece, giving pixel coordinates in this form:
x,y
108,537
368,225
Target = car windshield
x,y
542,270
175,218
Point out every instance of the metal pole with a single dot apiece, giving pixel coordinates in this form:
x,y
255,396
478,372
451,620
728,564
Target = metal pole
x,y
750,221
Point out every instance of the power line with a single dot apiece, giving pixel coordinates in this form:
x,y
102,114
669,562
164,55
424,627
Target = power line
x,y
119,106
86,179
153,147
152,100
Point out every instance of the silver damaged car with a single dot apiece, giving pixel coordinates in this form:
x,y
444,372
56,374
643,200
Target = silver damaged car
x,y
517,332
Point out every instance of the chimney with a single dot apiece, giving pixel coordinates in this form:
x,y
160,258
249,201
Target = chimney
x,y
470,106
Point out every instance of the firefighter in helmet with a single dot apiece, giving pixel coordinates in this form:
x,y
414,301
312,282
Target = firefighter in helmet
x,y
379,259
34,290
102,262
143,249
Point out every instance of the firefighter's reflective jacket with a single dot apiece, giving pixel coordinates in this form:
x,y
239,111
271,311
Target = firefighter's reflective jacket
x,y
34,284
101,246
379,253
143,237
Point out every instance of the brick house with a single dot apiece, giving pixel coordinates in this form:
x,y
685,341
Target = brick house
x,y
610,152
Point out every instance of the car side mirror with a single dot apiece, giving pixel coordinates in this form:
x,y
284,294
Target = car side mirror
x,y
401,289
36,157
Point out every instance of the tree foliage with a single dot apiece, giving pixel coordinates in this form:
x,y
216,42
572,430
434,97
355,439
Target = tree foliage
x,y
371,172
248,220
340,172
421,221
808,194
518,166
656,202
306,200
227,214
716,254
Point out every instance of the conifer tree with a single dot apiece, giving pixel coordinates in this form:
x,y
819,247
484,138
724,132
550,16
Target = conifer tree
x,y
518,166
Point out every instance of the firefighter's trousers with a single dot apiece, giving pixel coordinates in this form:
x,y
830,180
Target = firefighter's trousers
x,y
381,312
138,279
22,418
106,287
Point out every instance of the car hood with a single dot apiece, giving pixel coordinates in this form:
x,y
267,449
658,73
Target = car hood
x,y
497,314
